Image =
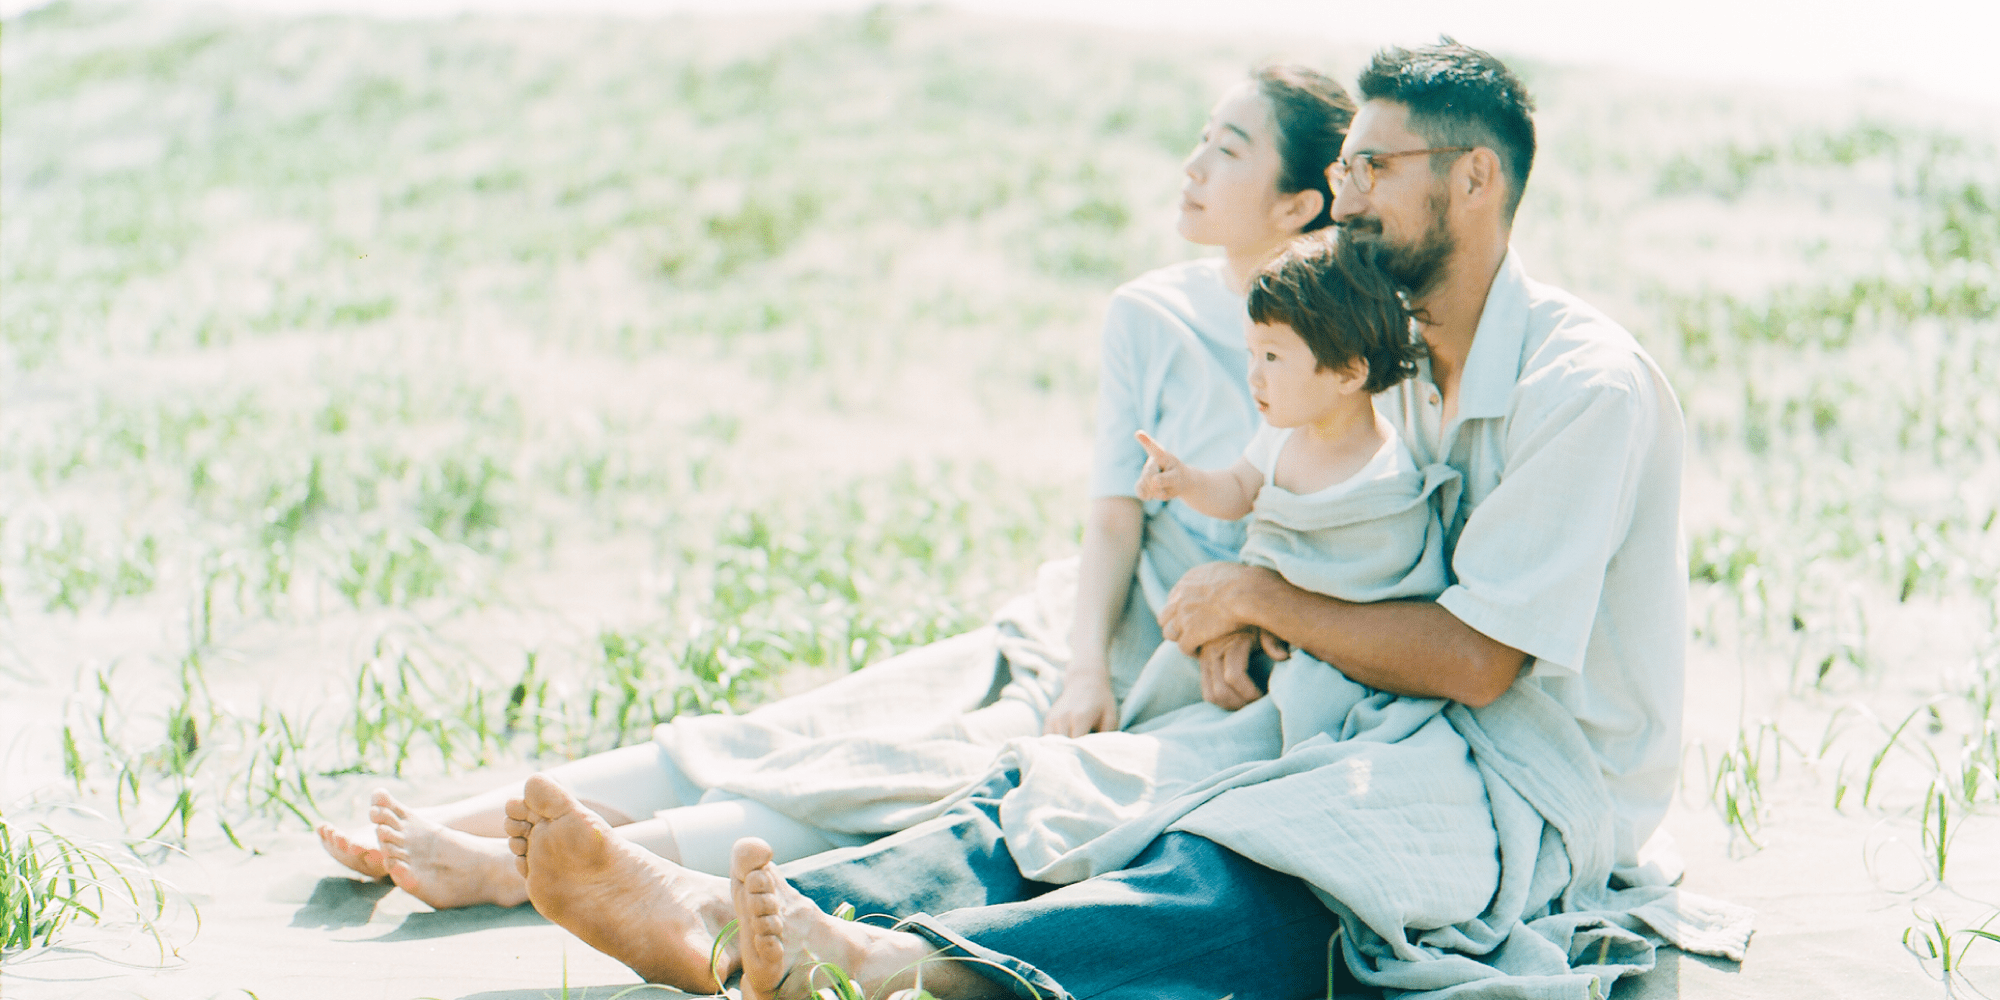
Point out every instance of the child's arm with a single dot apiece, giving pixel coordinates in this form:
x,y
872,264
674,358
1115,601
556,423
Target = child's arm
x,y
1111,534
1226,495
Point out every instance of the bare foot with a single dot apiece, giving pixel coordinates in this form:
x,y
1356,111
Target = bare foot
x,y
776,926
658,918
357,852
444,867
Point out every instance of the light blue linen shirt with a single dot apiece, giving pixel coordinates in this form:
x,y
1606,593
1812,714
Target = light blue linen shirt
x,y
1173,365
1566,544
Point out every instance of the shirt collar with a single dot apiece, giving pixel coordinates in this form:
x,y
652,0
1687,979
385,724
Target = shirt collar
x,y
1493,365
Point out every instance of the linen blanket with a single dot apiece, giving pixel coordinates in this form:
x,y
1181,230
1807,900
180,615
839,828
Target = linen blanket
x,y
884,747
1466,852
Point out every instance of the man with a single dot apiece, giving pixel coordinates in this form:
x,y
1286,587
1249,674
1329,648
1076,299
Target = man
x,y
1569,592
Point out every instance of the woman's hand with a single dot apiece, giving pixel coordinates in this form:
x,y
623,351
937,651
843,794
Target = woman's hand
x,y
1225,667
1164,477
1085,705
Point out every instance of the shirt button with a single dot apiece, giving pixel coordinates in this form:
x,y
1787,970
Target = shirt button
x,y
1432,396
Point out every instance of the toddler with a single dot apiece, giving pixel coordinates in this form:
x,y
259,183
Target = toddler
x,y
1327,331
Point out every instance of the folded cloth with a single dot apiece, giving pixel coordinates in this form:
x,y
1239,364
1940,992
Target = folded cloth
x,y
1379,540
888,745
1466,852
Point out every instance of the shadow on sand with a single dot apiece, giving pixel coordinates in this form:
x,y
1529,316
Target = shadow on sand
x,y
442,923
1664,982
341,902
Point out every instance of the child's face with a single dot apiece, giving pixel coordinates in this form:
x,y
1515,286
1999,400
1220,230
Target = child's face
x,y
1290,388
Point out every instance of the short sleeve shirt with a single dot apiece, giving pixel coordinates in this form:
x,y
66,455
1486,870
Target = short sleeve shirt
x,y
1173,364
1566,544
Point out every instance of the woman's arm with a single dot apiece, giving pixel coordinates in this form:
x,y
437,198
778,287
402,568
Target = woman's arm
x,y
1111,533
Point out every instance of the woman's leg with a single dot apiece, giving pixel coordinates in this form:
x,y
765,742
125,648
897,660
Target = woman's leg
x,y
639,791
455,854
621,785
701,837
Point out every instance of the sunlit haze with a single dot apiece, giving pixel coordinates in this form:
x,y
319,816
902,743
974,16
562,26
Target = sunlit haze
x,y
1939,46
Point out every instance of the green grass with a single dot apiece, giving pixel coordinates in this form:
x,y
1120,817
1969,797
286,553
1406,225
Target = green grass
x,y
1941,949
49,881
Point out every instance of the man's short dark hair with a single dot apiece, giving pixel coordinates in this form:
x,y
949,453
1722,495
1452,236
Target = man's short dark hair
x,y
1334,294
1459,96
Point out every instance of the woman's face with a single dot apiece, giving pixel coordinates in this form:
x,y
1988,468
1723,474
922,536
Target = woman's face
x,y
1230,198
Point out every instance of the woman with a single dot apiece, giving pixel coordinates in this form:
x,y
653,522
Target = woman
x,y
882,748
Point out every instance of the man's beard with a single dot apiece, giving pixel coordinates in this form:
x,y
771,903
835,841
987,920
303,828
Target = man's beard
x,y
1417,266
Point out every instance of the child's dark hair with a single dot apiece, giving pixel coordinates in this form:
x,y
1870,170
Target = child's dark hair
x,y
1336,296
1312,112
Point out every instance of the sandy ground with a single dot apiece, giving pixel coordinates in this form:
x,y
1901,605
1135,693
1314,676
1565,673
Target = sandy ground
x,y
285,924
1834,892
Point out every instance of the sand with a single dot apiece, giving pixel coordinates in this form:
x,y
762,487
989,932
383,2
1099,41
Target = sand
x,y
1834,891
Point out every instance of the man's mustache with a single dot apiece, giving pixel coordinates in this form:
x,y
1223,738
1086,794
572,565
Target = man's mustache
x,y
1361,225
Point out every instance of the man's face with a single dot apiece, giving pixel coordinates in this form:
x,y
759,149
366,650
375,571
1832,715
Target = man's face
x,y
1405,209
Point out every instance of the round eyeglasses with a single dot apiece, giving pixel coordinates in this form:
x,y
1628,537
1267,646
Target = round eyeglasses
x,y
1360,167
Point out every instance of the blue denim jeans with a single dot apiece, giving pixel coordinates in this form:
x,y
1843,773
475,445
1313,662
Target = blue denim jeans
x,y
1186,920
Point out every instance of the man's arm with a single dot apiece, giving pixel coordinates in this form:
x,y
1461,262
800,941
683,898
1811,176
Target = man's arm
x,y
1407,647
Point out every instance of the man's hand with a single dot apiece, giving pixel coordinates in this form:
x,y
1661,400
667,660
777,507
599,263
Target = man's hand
x,y
1201,608
1085,705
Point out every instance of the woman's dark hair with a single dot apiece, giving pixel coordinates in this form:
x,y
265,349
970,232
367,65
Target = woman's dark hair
x,y
1312,113
1334,294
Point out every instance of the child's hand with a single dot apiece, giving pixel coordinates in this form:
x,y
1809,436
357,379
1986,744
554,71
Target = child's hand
x,y
1164,477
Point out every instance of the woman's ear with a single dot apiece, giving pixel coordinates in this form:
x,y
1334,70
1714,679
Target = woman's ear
x,y
1298,209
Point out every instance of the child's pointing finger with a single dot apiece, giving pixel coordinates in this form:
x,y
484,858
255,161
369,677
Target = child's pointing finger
x,y
1161,456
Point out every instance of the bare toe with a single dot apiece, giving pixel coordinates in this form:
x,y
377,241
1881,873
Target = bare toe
x,y
352,852
776,921
516,810
543,800
760,923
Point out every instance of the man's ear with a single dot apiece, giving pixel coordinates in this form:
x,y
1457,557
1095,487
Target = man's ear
x,y
1479,177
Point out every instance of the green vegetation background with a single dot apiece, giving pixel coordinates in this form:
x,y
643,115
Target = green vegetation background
x,y
387,397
